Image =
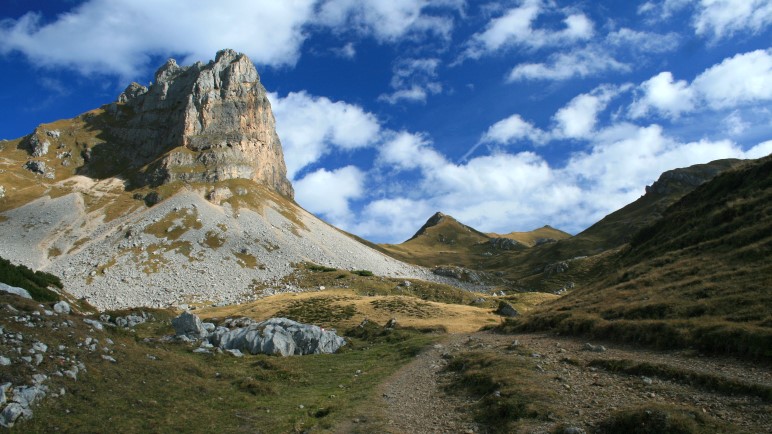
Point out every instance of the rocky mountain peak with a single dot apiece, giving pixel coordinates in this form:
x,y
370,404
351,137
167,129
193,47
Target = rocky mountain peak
x,y
201,123
687,178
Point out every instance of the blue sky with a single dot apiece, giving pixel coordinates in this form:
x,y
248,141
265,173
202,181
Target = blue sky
x,y
508,115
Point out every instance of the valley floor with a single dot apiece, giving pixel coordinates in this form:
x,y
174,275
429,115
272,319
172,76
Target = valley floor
x,y
580,387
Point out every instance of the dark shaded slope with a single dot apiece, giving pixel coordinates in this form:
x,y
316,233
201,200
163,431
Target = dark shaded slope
x,y
699,277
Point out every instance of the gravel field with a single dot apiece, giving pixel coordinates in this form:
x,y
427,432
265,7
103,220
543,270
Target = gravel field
x,y
119,265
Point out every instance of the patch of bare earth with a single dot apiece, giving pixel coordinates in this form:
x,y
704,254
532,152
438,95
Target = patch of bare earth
x,y
415,399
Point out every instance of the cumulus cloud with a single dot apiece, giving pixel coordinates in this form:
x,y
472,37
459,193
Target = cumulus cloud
x,y
745,78
520,191
393,219
123,36
329,193
407,151
413,80
578,118
662,93
516,28
120,36
585,62
386,20
512,129
311,127
723,18
717,19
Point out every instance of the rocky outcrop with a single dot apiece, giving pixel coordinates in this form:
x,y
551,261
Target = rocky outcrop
x,y
21,292
40,168
201,123
506,309
274,336
556,268
278,336
688,178
189,325
505,244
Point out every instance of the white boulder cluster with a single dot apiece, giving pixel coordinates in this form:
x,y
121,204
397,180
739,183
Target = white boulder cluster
x,y
274,336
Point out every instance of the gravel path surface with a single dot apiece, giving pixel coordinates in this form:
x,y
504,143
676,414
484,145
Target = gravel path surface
x,y
415,398
415,401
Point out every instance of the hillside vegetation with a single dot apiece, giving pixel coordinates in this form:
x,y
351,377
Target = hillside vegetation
x,y
699,277
547,259
35,282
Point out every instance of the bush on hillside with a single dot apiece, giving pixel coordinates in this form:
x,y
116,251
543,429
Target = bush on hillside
x,y
36,282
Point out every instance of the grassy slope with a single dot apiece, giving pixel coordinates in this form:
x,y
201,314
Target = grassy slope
x,y
699,277
175,390
178,391
442,240
445,241
530,238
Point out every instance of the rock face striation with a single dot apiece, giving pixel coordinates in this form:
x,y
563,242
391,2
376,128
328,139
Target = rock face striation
x,y
201,123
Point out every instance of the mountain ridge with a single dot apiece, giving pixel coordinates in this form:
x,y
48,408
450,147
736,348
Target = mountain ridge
x,y
175,194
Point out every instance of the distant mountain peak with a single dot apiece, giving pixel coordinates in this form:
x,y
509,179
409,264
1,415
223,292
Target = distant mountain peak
x,y
439,218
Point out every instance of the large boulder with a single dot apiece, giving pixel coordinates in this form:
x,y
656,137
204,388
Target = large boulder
x,y
278,336
189,325
21,292
506,309
62,307
10,413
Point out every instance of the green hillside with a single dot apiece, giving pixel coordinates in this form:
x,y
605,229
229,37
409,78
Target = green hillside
x,y
699,277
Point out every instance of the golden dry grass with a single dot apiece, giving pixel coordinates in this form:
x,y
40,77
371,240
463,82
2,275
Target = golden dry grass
x,y
531,237
408,311
700,277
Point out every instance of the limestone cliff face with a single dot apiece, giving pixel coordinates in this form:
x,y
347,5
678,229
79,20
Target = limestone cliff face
x,y
202,123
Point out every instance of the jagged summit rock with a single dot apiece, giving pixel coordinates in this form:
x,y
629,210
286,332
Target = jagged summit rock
x,y
687,178
201,123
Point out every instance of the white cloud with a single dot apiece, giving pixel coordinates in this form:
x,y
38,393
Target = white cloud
x,y
735,124
516,28
386,20
664,94
311,126
407,151
329,192
413,80
505,192
123,36
641,41
761,150
578,118
717,19
119,36
743,79
512,129
722,18
393,219
662,10
584,62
